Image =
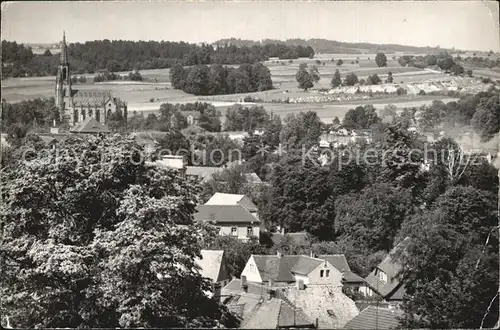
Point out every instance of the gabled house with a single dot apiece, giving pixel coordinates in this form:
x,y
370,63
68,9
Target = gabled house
x,y
349,278
233,199
231,220
384,280
214,267
299,270
204,173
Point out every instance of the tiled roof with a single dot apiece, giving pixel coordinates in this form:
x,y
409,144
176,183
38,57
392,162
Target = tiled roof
x,y
281,268
337,260
90,125
374,318
91,94
204,172
225,213
212,266
350,277
232,199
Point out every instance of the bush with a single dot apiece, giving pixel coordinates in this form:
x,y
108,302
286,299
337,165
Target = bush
x,y
152,99
401,91
422,92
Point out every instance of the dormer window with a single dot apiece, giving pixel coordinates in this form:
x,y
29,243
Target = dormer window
x,y
382,276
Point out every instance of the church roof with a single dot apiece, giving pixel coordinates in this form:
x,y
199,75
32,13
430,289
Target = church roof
x,y
90,97
90,125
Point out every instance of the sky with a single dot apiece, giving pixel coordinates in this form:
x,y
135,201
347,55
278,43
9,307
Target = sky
x,y
466,25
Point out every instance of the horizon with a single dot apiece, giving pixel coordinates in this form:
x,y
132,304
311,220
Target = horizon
x,y
197,22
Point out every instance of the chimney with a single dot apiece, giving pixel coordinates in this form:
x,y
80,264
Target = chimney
x,y
244,285
282,230
300,284
270,291
217,290
278,253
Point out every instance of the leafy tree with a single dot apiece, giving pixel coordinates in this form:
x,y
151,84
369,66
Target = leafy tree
x,y
300,130
361,117
304,78
457,69
314,74
336,80
446,63
340,62
486,119
272,130
336,120
373,80
381,59
469,73
451,262
351,79
239,118
120,253
47,52
390,79
431,60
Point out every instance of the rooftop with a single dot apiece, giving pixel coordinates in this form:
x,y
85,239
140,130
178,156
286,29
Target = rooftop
x,y
90,125
375,318
225,214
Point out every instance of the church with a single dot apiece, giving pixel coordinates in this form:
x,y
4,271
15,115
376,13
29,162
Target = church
x,y
75,106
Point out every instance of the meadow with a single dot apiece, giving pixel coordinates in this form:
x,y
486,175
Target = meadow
x,y
147,96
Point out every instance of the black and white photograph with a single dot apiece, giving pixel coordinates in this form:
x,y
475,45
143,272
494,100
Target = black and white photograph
x,y
250,164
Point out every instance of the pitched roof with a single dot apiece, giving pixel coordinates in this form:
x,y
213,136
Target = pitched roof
x,y
281,268
90,125
392,268
350,277
337,260
90,94
232,199
204,172
225,213
252,178
212,266
374,318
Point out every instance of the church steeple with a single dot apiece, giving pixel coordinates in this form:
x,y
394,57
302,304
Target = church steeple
x,y
64,50
63,81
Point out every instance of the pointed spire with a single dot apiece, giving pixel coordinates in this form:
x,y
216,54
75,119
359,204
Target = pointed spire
x,y
64,50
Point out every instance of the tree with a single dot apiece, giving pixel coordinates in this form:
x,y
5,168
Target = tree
x,y
314,74
47,52
340,62
390,79
381,59
120,253
336,80
351,79
304,78
457,69
373,80
450,265
239,118
361,117
446,63
486,119
469,73
336,121
303,129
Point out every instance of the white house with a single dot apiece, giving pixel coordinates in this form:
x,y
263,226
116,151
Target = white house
x,y
291,269
234,199
213,266
231,220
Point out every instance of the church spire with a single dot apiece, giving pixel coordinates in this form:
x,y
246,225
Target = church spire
x,y
64,50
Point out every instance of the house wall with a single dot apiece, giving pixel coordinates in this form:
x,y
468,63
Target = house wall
x,y
304,278
334,276
241,230
251,271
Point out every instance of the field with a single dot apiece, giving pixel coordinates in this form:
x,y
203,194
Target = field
x,y
156,89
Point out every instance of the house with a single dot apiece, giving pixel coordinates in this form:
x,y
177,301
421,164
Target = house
x,y
299,270
375,318
349,278
260,308
231,220
213,266
384,280
204,173
90,126
171,162
234,199
192,117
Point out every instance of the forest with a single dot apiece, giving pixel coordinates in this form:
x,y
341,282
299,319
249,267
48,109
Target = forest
x,y
120,55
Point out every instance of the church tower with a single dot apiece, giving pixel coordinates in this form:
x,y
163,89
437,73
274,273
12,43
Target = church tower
x,y
63,82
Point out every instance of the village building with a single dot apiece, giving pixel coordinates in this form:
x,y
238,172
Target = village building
x,y
373,317
75,106
234,199
385,280
213,266
231,220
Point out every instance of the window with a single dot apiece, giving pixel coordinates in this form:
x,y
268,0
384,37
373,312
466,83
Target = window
x,y
327,273
249,231
98,115
234,231
382,276
321,273
219,230
83,114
